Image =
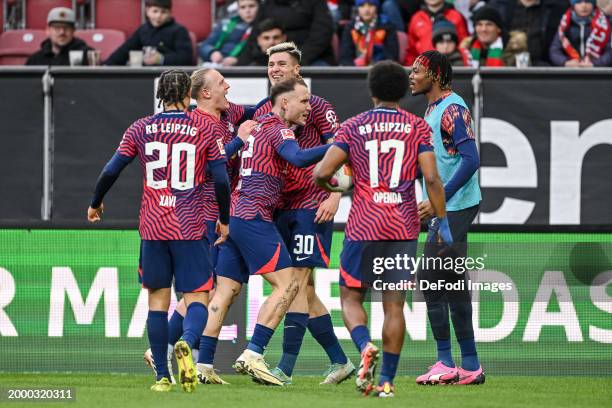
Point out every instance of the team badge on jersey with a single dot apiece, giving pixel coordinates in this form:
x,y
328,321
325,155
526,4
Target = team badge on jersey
x,y
221,146
287,134
331,117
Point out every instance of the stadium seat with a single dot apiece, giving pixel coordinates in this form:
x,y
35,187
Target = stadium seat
x,y
122,15
402,40
37,11
106,41
17,45
194,46
195,15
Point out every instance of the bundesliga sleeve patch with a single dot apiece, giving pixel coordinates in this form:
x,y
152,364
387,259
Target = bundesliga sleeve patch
x,y
287,134
221,146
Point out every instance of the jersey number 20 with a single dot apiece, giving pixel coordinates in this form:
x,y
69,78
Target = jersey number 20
x,y
175,164
385,147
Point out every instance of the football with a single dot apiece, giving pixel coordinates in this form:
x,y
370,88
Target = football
x,y
342,179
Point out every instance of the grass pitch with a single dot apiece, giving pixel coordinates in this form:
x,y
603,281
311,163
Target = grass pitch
x,y
119,391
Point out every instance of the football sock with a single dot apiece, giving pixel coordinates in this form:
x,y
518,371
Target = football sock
x,y
157,330
444,353
469,357
194,323
389,367
261,338
322,330
208,346
461,314
293,334
361,337
175,328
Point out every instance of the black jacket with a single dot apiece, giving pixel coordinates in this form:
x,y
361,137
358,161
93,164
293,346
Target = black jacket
x,y
539,22
252,54
308,23
45,55
171,40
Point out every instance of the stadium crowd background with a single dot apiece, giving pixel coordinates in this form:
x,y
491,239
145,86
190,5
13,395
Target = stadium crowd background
x,y
472,33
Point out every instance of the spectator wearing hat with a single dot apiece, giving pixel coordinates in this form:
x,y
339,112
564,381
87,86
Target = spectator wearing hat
x,y
583,38
56,48
169,40
229,37
268,33
308,23
369,37
491,46
421,27
446,42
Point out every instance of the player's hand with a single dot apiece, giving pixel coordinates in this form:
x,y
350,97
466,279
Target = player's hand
x,y
425,210
222,231
230,61
444,231
244,131
95,214
328,208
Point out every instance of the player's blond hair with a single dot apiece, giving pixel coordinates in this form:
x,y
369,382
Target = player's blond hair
x,y
198,81
288,47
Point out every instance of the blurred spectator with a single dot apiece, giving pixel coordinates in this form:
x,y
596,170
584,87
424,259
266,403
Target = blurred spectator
x,y
538,20
268,33
421,25
583,39
170,41
407,8
308,23
606,7
446,42
229,37
491,46
392,10
369,37
60,30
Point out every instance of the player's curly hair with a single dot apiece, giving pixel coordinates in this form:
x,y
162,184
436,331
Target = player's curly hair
x,y
388,81
173,87
437,68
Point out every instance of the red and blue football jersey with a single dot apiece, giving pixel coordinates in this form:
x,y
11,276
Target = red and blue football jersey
x,y
299,190
262,170
383,145
173,151
222,131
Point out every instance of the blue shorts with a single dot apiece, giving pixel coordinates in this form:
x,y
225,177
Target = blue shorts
x,y
187,261
364,262
212,236
309,243
254,247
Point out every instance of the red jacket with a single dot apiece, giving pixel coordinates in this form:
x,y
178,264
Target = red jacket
x,y
420,31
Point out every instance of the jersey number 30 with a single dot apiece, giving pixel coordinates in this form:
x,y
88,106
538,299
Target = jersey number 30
x,y
385,147
175,164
